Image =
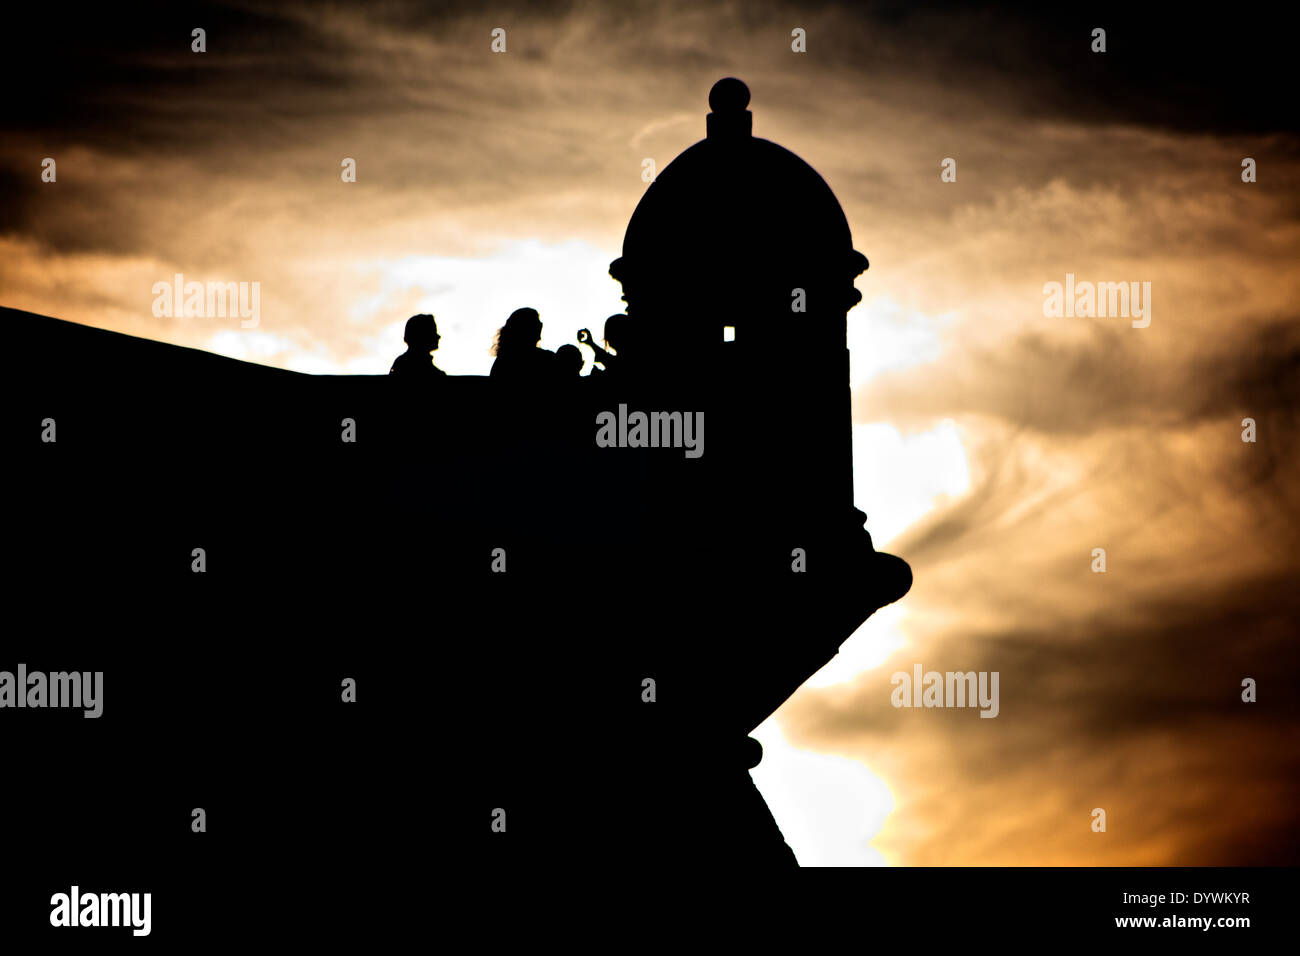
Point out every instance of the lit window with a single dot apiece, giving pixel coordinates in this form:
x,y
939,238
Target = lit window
x,y
728,333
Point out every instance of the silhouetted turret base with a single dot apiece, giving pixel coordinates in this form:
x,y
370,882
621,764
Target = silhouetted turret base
x,y
522,688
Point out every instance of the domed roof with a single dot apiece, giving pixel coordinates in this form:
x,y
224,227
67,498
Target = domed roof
x,y
733,205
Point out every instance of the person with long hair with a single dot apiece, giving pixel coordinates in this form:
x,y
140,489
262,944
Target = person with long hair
x,y
518,357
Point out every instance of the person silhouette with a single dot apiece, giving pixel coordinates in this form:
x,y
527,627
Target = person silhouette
x,y
421,337
618,334
568,361
518,357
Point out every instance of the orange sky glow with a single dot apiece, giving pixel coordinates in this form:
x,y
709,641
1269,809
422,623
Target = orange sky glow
x,y
995,447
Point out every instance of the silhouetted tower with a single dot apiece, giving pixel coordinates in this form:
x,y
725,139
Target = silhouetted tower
x,y
739,237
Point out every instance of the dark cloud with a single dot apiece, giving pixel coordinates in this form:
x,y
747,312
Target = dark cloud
x,y
1182,72
109,69
1120,690
1104,378
1136,709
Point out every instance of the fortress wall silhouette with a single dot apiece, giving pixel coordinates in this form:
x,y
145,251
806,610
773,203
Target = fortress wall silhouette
x,y
373,559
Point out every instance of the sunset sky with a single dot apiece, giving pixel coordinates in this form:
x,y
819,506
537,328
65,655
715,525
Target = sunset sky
x,y
995,447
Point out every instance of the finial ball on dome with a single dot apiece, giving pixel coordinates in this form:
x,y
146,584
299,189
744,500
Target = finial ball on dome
x,y
729,95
